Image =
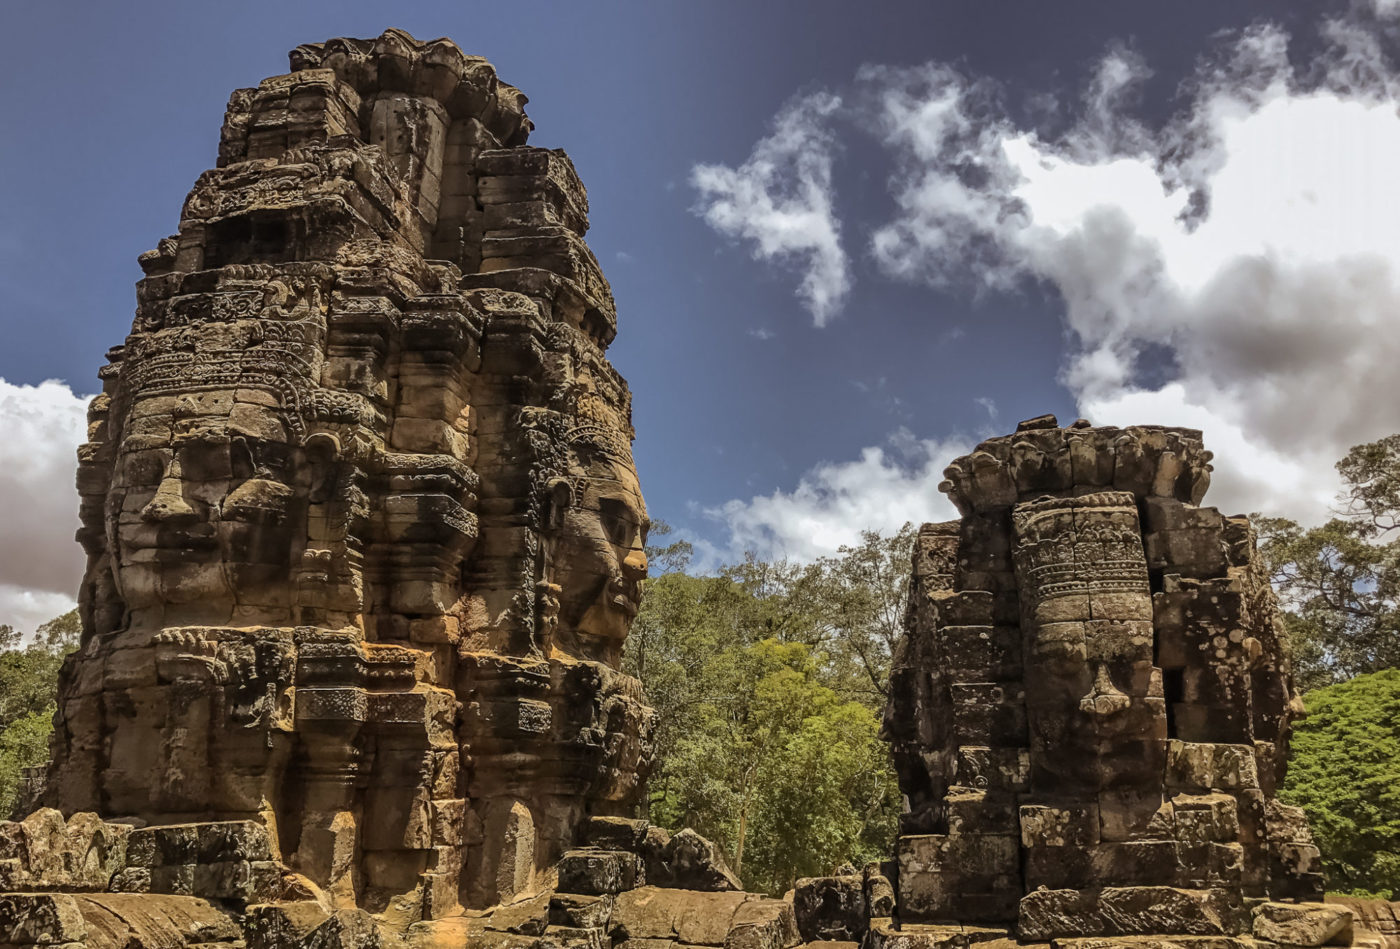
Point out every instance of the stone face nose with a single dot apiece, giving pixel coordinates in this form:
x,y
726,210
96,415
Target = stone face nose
x,y
168,506
634,565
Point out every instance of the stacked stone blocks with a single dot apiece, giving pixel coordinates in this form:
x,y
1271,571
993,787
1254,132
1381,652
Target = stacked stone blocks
x,y
1089,711
365,540
364,534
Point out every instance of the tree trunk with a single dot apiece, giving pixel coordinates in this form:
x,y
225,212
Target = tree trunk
x,y
739,846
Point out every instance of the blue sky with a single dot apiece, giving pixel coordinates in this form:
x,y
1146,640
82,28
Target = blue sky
x,y
846,242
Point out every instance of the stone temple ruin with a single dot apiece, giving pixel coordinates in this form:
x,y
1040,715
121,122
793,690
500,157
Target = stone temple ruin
x,y
365,540
1090,707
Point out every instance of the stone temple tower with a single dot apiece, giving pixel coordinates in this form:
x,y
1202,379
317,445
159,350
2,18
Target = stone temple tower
x,y
365,541
364,533
1090,706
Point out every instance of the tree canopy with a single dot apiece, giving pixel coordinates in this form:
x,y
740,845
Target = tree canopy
x,y
1339,583
1345,772
28,689
769,678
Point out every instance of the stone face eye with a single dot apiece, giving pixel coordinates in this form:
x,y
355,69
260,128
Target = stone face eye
x,y
619,522
146,468
256,458
205,460
257,500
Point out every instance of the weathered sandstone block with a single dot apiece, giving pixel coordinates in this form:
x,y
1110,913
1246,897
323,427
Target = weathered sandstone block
x,y
1090,708
1303,924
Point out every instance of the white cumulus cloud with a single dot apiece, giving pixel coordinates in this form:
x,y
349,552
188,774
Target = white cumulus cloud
x,y
1250,475
1249,245
780,200
1236,269
834,501
40,564
1386,8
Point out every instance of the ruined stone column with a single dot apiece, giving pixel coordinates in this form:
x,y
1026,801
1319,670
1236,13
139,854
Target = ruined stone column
x,y
1090,705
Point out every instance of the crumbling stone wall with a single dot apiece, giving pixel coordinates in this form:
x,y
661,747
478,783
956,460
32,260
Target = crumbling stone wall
x,y
363,529
1090,706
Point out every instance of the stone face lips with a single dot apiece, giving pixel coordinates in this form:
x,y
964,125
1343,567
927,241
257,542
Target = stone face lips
x,y
1090,707
364,533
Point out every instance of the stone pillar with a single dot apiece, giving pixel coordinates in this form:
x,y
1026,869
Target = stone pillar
x,y
1089,707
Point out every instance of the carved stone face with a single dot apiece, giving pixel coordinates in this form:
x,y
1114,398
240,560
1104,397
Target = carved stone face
x,y
600,559
204,511
1087,611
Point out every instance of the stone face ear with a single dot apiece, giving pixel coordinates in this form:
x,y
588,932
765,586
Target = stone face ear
x,y
322,444
322,453
559,497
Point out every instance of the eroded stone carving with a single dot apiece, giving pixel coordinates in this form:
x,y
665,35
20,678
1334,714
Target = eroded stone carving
x,y
365,540
364,533
1090,707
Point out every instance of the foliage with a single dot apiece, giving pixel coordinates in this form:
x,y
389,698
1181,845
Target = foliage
x,y
826,793
24,743
769,677
1340,583
1345,772
28,688
867,589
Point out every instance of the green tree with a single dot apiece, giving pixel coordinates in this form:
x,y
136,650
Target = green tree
x,y
769,679
1345,772
61,634
1339,583
684,647
28,691
849,607
24,743
789,777
865,588
671,557
828,795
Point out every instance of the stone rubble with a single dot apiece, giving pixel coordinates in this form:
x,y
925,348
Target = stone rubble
x,y
1376,923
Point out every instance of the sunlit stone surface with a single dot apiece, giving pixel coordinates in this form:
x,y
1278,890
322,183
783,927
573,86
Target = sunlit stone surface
x,y
1090,708
364,533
